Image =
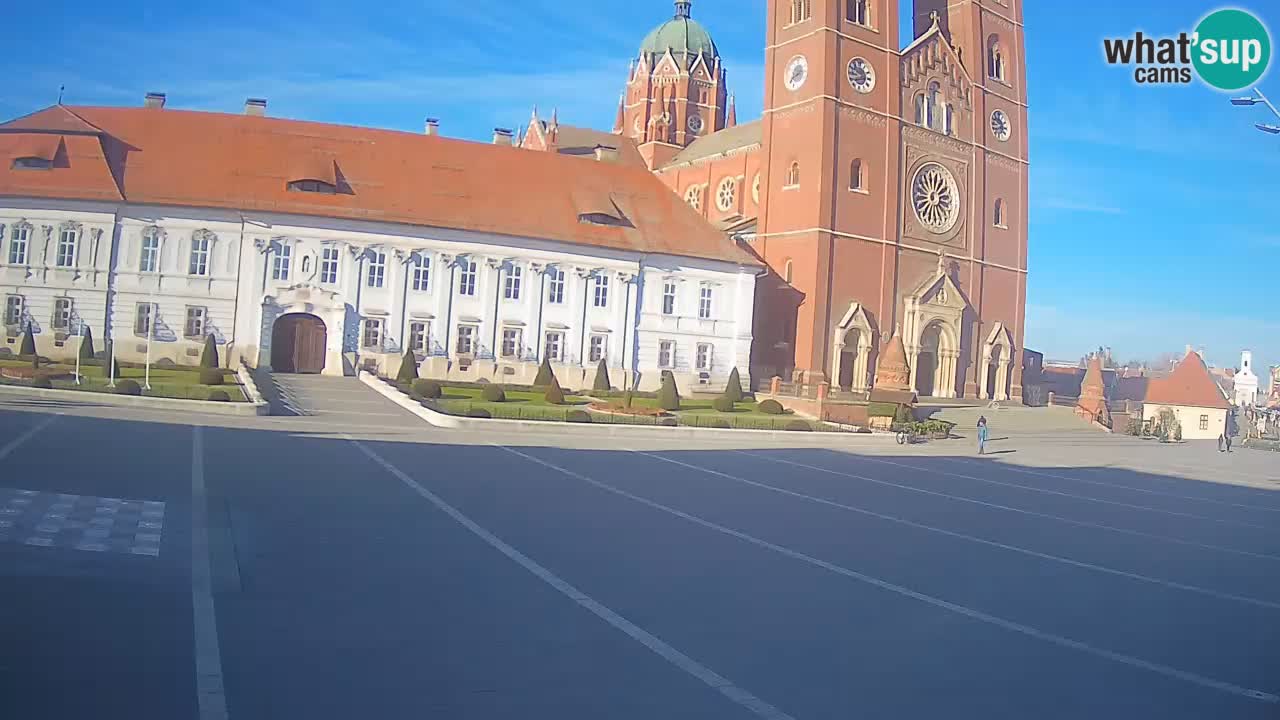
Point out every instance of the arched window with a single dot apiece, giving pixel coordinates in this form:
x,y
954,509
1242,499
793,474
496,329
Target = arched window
x,y
787,267
799,11
932,106
995,59
948,119
858,11
997,214
793,175
920,109
855,175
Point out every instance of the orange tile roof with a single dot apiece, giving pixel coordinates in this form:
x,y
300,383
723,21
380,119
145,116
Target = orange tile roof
x,y
240,162
1189,385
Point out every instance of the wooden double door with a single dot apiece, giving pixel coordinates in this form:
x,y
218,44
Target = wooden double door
x,y
298,344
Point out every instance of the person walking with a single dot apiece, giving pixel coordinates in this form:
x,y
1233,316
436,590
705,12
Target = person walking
x,y
982,435
1231,429
1221,441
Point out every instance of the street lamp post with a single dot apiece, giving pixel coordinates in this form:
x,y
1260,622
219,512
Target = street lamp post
x,y
1257,98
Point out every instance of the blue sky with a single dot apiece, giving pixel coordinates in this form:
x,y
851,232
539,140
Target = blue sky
x,y
1153,209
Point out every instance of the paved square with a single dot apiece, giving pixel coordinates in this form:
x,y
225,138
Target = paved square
x,y
81,522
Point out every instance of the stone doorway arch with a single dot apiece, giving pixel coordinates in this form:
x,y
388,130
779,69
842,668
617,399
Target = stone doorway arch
x,y
298,342
936,358
853,341
997,355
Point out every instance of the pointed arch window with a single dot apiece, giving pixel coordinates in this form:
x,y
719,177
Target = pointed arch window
x,y
948,119
858,12
933,107
996,64
921,111
793,176
856,181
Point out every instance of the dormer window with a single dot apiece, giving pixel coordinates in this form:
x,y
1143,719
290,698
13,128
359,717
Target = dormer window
x,y
32,163
313,186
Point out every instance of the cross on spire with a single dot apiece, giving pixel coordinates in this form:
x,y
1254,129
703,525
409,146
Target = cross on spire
x,y
933,15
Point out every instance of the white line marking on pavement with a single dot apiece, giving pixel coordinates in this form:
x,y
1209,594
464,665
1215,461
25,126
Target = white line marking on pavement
x,y
966,611
962,536
667,652
1033,488
210,694
1026,471
1008,508
21,440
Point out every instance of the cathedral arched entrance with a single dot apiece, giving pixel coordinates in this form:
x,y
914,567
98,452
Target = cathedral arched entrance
x,y
935,363
997,356
298,342
851,354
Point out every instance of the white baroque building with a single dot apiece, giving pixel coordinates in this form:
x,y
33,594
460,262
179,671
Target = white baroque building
x,y
1245,382
319,248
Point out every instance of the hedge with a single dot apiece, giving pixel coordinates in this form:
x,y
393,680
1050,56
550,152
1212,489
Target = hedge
x,y
429,389
771,407
733,390
799,426
219,396
882,409
128,387
211,376
408,371
493,394
479,413
722,404
578,416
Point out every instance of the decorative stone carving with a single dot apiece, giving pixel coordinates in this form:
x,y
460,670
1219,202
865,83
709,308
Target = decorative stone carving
x,y
865,117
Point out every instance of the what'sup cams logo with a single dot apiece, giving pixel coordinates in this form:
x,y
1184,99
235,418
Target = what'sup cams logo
x,y
1230,49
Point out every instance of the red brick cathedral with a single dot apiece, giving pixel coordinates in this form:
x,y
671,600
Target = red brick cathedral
x,y
885,188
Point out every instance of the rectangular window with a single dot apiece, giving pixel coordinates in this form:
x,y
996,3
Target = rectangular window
x,y
419,336
150,260
329,265
512,339
601,298
377,269
1204,422
18,242
511,286
858,12
555,293
62,313
67,248
669,297
371,338
144,318
467,280
195,324
13,307
666,353
466,340
422,274
199,264
554,346
704,357
597,348
704,302
280,263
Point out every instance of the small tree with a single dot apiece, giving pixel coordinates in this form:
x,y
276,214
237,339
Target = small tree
x,y
209,358
733,390
668,396
28,342
602,378
408,367
86,344
545,375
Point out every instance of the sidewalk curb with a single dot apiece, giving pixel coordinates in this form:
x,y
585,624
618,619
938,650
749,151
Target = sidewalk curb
x,y
244,409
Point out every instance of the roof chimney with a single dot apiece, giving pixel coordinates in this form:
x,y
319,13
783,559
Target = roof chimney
x,y
154,100
432,127
256,107
606,153
501,136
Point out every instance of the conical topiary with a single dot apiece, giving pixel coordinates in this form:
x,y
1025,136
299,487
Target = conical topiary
x,y
602,378
554,394
733,390
28,342
545,375
408,368
209,359
668,395
86,344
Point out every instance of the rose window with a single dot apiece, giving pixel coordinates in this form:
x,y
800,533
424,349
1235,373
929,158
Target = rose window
x,y
693,196
726,194
935,197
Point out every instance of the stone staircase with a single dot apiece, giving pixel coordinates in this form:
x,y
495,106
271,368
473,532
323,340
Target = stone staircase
x,y
1015,420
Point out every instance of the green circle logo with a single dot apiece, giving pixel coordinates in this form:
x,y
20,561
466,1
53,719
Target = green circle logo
x,y
1233,49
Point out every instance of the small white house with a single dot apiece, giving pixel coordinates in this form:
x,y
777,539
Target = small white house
x,y
1195,400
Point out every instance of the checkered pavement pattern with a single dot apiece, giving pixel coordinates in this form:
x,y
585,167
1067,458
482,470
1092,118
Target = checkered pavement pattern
x,y
81,522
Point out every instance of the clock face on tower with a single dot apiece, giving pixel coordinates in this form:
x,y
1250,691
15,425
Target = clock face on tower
x,y
861,75
797,72
1000,126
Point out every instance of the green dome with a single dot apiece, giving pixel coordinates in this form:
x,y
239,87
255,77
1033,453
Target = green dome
x,y
681,35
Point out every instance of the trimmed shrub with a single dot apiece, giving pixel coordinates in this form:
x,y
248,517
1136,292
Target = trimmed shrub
x,y
733,390
771,407
86,345
578,416
882,409
211,376
904,415
42,382
479,413
408,368
554,394
128,387
28,346
722,404
799,426
219,396
545,375
719,424
429,389
602,378
209,358
668,396
493,394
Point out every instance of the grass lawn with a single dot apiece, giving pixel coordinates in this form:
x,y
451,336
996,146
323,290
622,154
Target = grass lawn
x,y
181,383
